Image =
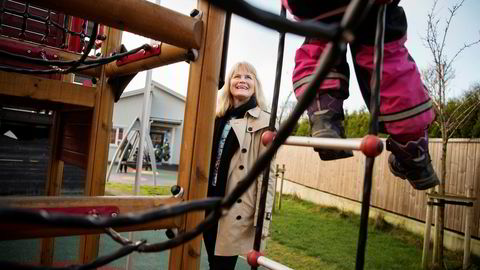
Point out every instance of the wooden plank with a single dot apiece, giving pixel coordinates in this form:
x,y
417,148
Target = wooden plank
x,y
170,26
99,140
77,143
125,204
74,158
71,130
27,86
53,183
78,117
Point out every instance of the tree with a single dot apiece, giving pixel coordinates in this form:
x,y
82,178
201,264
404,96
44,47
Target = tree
x,y
302,128
357,123
437,77
286,108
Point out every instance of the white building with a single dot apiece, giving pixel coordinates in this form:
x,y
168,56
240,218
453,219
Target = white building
x,y
166,118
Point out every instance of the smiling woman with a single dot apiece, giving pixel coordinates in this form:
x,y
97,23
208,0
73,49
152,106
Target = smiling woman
x,y
240,122
242,87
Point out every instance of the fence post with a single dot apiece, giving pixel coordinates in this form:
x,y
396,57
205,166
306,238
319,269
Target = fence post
x,y
275,190
468,232
281,188
426,237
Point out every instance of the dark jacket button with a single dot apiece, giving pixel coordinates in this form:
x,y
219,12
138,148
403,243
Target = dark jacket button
x,y
241,167
239,200
244,150
239,217
250,129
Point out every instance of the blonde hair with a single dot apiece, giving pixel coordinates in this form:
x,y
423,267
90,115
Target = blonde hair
x,y
225,99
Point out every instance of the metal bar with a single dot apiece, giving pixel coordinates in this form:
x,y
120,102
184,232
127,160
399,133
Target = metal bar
x,y
374,108
226,41
273,115
271,264
330,143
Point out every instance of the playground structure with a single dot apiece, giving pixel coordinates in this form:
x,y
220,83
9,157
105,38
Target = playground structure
x,y
83,113
91,107
132,138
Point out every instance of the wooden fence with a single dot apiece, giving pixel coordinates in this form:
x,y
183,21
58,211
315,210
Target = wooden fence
x,y
345,178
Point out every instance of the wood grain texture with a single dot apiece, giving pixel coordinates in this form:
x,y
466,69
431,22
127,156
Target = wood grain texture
x,y
28,86
156,22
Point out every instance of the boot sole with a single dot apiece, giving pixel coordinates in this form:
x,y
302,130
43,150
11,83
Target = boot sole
x,y
419,184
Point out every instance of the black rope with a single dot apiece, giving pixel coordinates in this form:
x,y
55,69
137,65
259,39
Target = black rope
x,y
88,64
273,21
266,173
64,220
91,43
226,38
25,15
104,60
369,162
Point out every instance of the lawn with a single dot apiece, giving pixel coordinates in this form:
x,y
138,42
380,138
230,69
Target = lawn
x,y
112,188
308,236
304,235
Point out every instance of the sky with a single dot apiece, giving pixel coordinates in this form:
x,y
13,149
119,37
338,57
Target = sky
x,y
258,45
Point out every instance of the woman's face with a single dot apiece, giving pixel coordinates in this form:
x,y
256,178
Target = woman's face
x,y
242,86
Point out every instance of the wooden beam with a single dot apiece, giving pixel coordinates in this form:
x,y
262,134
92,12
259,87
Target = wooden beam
x,y
198,130
169,54
54,181
20,85
136,16
99,141
125,204
451,197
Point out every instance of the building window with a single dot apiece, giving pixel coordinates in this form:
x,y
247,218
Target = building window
x,y
116,135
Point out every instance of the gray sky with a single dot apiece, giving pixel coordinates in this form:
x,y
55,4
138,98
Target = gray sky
x,y
258,45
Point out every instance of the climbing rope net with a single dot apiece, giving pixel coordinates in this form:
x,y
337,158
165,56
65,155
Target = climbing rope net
x,y
20,19
338,35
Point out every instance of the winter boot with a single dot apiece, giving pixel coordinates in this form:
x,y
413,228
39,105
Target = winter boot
x,y
412,161
326,116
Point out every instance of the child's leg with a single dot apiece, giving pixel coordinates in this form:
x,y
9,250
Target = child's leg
x,y
405,107
326,111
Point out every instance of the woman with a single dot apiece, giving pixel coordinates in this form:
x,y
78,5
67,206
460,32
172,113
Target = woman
x,y
241,119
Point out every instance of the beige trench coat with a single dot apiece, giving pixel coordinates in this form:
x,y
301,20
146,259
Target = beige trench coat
x,y
236,230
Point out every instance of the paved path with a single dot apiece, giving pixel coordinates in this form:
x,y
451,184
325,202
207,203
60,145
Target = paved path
x,y
163,177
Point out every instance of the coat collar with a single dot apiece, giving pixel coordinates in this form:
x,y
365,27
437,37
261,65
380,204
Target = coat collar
x,y
254,112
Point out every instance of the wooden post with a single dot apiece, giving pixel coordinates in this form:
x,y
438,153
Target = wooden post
x,y
99,141
426,237
54,179
275,190
53,184
198,130
468,232
436,246
281,188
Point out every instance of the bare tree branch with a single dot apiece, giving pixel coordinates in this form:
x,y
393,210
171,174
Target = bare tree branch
x,y
461,119
453,10
465,46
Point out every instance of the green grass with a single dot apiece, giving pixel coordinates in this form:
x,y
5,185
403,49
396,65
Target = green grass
x,y
308,236
127,189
